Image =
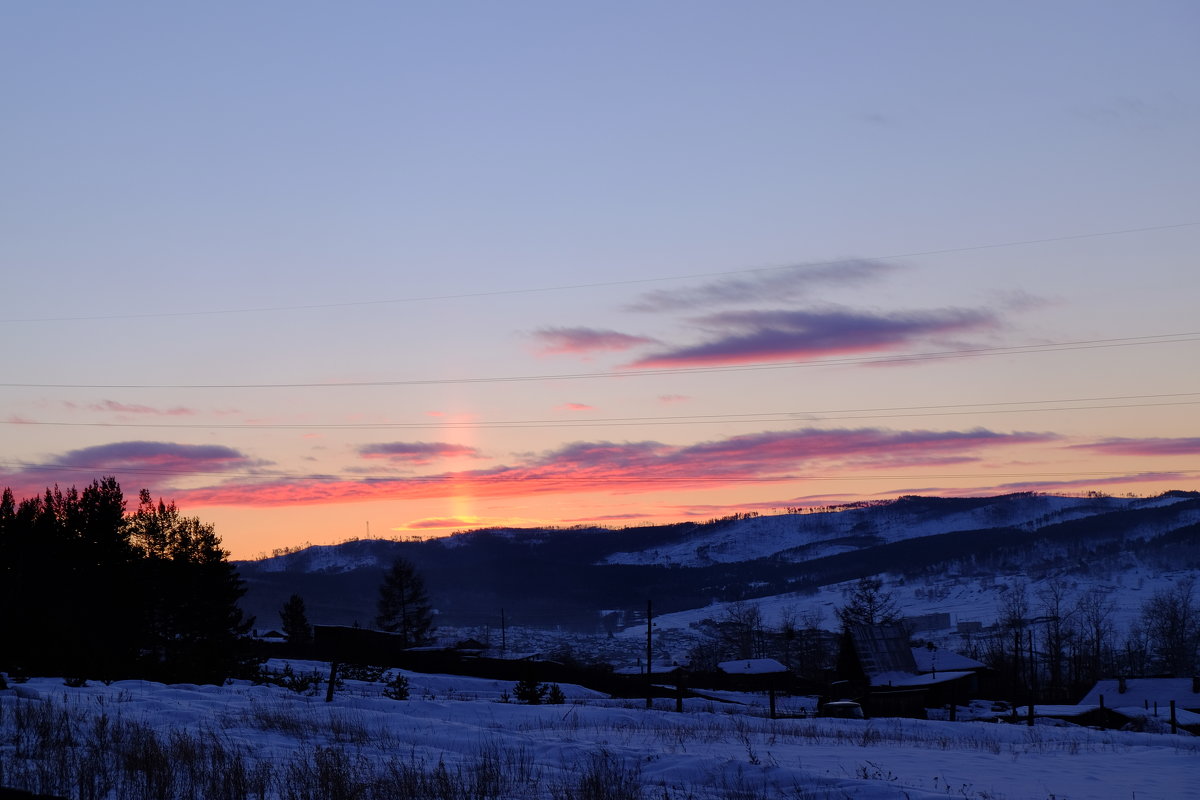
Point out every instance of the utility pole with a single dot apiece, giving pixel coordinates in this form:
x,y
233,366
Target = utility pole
x,y
649,655
503,635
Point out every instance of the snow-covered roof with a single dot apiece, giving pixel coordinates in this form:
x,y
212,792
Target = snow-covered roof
x,y
930,660
752,666
658,667
1143,692
907,679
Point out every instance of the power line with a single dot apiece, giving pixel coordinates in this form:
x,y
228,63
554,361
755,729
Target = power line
x,y
1087,344
886,412
575,478
595,285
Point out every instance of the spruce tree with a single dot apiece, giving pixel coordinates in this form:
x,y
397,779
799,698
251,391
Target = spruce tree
x,y
868,604
404,605
192,623
294,619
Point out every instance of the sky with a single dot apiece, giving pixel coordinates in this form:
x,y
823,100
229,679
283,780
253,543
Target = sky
x,y
322,271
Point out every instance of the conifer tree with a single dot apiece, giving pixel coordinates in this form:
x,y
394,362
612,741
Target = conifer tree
x,y
192,622
404,605
868,604
294,619
91,592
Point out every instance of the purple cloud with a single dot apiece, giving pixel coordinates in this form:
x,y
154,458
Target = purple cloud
x,y
1185,446
774,285
557,341
417,453
754,336
164,456
1088,483
136,458
774,452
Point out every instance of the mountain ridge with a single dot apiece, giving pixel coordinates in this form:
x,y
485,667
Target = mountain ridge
x,y
567,577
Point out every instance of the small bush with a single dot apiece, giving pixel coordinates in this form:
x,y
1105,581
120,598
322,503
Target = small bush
x,y
368,673
530,691
306,683
397,688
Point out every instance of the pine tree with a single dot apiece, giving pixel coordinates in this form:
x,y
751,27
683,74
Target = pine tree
x,y
192,622
294,618
868,604
404,605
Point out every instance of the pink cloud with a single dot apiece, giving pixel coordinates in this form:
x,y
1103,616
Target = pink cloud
x,y
112,406
605,518
1088,483
741,337
126,408
583,341
417,453
673,398
1187,446
435,523
639,467
576,407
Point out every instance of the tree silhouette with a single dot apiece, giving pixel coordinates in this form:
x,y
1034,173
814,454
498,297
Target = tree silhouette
x,y
294,619
91,592
1171,619
404,605
192,622
868,604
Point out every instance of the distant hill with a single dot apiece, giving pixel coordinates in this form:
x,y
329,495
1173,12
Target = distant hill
x,y
569,577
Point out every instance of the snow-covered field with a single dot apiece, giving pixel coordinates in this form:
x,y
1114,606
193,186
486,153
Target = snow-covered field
x,y
458,737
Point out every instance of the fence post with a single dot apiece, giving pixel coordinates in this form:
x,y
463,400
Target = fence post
x,y
333,665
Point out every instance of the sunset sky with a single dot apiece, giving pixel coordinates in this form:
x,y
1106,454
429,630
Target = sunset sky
x,y
309,269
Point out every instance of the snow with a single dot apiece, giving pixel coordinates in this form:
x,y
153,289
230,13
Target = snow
x,y
965,599
702,754
1163,715
937,660
319,558
906,679
801,537
1145,692
752,666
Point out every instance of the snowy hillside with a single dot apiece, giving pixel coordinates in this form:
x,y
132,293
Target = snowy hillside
x,y
324,558
962,599
937,555
801,537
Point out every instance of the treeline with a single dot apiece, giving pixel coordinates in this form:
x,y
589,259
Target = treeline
x,y
89,590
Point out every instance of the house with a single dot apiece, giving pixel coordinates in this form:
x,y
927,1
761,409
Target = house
x,y
903,681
